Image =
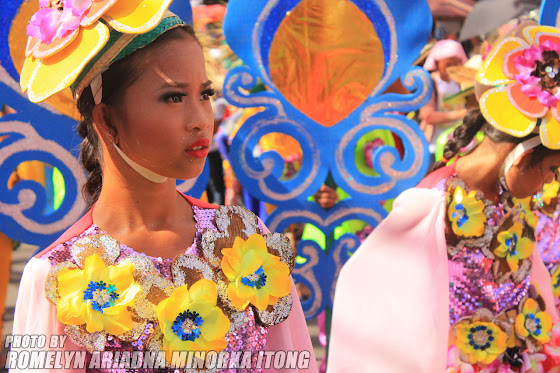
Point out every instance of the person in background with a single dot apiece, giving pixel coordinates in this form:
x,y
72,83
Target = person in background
x,y
437,116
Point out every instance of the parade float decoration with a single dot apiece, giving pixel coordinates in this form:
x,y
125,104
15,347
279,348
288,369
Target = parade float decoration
x,y
327,66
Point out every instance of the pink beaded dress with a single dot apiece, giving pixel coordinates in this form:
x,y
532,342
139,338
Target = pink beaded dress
x,y
281,326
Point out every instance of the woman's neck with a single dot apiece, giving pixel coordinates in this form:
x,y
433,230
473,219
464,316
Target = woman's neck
x,y
131,203
480,170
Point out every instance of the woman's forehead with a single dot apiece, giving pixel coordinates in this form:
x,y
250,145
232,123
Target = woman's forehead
x,y
176,61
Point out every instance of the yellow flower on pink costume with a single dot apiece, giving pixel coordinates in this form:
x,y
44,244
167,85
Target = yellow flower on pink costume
x,y
466,214
533,323
64,35
256,276
523,72
482,342
97,296
526,211
190,319
513,246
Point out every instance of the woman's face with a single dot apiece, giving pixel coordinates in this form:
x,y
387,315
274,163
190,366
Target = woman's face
x,y
164,120
524,181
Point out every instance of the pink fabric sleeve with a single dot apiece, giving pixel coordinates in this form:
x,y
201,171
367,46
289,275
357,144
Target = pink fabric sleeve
x,y
391,306
292,334
35,315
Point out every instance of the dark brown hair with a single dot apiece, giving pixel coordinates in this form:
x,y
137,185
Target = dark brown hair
x,y
474,122
115,80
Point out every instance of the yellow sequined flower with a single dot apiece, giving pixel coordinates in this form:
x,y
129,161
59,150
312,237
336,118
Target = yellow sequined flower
x,y
482,342
521,72
526,213
65,36
550,192
191,321
97,296
532,323
255,275
513,246
466,214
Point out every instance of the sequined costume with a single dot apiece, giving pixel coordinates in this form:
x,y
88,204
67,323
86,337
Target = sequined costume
x,y
251,329
547,210
453,285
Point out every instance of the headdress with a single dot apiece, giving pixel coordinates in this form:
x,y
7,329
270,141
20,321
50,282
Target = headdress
x,y
518,86
72,41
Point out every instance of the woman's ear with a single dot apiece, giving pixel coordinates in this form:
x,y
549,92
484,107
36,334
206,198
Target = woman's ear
x,y
102,123
524,158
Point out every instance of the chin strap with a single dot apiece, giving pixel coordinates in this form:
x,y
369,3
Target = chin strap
x,y
150,175
97,89
517,152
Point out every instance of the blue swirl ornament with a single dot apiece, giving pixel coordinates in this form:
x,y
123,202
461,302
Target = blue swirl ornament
x,y
267,35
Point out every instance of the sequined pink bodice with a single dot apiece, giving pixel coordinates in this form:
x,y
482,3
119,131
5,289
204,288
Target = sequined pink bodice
x,y
250,337
471,281
548,238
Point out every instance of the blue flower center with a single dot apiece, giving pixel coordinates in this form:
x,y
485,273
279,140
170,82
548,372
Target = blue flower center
x,y
480,337
533,324
256,279
460,214
511,243
101,295
186,325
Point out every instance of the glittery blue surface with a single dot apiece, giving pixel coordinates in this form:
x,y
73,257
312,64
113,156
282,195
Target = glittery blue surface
x,y
403,28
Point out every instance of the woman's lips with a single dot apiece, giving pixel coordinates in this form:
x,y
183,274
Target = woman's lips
x,y
199,148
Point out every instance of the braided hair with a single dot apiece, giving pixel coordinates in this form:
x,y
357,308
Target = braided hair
x,y
474,122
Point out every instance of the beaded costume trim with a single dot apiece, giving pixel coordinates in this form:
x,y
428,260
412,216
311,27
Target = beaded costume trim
x,y
102,296
516,334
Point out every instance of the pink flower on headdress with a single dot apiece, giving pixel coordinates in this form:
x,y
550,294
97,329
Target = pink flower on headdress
x,y
50,23
538,69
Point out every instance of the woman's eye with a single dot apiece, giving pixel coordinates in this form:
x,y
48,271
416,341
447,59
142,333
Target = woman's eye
x,y
205,96
174,97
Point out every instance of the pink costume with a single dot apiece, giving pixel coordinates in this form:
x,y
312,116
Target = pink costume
x,y
36,315
398,295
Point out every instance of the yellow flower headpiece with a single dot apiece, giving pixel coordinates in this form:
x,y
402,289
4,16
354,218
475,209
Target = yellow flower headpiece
x,y
71,41
519,83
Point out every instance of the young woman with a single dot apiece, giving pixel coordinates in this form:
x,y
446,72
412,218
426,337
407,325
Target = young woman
x,y
452,279
147,268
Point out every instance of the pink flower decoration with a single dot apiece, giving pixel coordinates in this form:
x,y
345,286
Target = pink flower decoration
x,y
455,364
552,348
532,363
50,23
497,367
531,85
